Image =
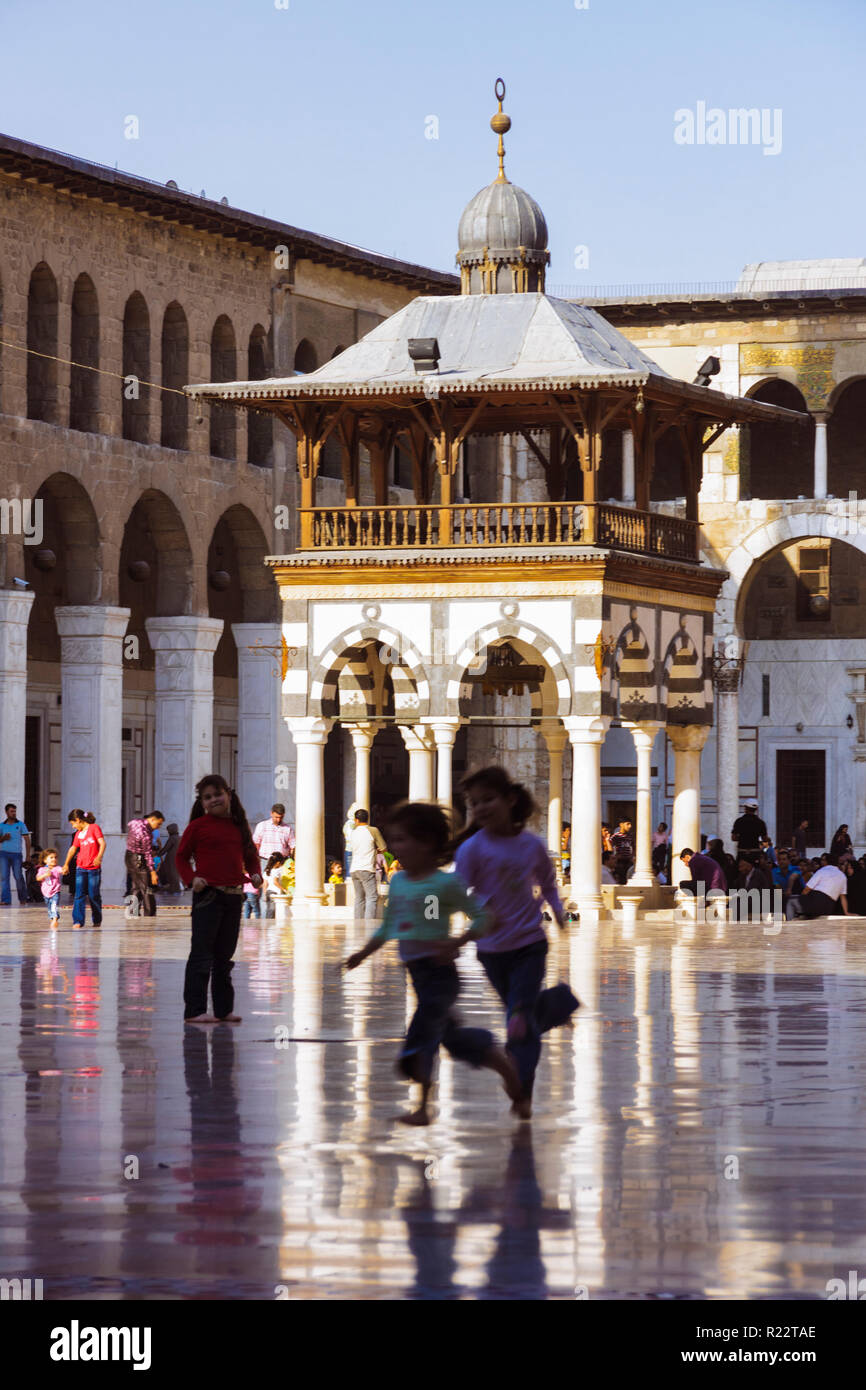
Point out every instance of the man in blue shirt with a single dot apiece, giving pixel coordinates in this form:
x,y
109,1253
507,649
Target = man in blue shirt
x,y
787,877
14,836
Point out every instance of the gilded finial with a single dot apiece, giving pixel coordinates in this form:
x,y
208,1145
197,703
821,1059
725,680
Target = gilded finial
x,y
500,123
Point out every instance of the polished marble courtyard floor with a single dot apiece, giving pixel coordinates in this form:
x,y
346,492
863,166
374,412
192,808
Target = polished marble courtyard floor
x,y
700,1133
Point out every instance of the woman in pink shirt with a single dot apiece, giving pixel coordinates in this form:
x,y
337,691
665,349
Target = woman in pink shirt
x,y
507,867
89,841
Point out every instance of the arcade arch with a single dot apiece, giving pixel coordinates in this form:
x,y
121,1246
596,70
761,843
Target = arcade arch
x,y
810,589
174,431
67,567
239,587
156,569
223,367
260,427
777,460
306,357
797,595
84,354
135,394
42,401
846,439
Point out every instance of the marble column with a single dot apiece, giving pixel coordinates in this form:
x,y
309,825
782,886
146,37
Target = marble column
x,y
644,735
310,735
444,732
687,741
727,683
556,738
419,742
91,682
858,829
362,742
628,467
259,650
183,742
586,734
820,488
15,608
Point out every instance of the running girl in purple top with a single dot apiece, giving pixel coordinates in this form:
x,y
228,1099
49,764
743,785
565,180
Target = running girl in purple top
x,y
507,867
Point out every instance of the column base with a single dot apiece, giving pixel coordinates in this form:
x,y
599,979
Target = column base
x,y
590,907
310,905
641,881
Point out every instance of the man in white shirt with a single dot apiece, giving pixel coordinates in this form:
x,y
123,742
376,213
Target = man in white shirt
x,y
365,842
821,895
606,867
272,837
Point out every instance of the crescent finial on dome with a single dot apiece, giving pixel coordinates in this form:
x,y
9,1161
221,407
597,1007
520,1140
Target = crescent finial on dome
x,y
500,124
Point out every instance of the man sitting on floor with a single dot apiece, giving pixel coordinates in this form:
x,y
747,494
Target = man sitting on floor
x,y
821,895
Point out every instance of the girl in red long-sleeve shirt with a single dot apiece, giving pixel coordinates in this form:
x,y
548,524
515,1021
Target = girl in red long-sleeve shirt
x,y
215,851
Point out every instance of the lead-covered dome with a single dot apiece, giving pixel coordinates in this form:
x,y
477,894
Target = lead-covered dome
x,y
502,236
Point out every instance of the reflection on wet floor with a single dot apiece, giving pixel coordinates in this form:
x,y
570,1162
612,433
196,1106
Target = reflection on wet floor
x,y
699,1133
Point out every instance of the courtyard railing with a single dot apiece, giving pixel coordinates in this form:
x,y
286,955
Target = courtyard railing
x,y
473,525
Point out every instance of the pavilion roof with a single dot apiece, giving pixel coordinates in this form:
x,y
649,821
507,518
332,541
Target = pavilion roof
x,y
494,341
490,344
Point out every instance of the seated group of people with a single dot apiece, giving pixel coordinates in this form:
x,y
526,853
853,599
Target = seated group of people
x,y
823,887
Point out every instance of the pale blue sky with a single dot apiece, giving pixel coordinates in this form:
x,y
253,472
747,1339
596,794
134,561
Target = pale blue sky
x,y
315,115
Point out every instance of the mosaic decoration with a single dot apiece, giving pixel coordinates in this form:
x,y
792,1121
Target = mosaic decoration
x,y
731,456
813,366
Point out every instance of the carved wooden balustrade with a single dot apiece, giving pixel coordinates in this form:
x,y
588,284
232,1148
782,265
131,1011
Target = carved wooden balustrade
x,y
499,524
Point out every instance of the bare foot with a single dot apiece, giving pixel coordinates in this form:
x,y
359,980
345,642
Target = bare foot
x,y
522,1109
499,1061
417,1117
76,926
202,1018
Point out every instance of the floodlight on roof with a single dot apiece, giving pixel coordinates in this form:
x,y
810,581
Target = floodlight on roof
x,y
424,352
711,367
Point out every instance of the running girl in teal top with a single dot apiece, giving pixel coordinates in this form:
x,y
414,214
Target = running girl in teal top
x,y
421,902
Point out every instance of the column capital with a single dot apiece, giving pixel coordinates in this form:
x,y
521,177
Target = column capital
x,y
688,738
15,608
728,679
444,730
586,728
15,605
416,738
362,736
248,634
184,633
183,648
309,729
91,620
90,635
643,731
554,735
